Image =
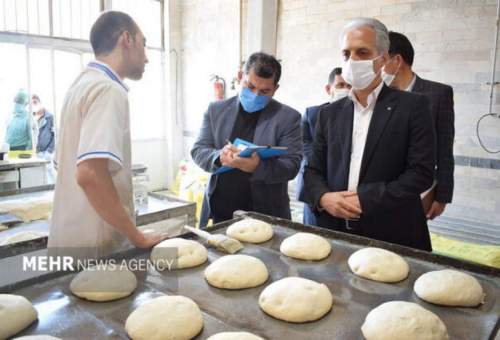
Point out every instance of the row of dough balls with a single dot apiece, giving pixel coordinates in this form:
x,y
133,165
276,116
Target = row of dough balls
x,y
178,317
291,299
303,246
445,287
442,287
162,318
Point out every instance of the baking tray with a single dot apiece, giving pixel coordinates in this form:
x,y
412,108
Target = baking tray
x,y
64,315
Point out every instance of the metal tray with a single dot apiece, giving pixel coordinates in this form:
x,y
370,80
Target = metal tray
x,y
66,316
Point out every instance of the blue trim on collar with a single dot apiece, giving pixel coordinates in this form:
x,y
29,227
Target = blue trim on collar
x,y
108,72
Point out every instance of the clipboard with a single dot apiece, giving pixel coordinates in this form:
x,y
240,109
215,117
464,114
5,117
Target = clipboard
x,y
247,148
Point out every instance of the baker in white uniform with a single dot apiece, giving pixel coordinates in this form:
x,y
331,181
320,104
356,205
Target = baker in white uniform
x,y
93,201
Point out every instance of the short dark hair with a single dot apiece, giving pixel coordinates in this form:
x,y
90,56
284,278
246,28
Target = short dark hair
x,y
108,28
264,66
402,46
337,71
35,97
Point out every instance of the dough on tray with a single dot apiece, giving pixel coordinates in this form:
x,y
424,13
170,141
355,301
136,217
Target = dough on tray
x,y
165,318
397,320
16,314
179,253
105,283
295,299
250,230
306,246
236,272
379,265
449,288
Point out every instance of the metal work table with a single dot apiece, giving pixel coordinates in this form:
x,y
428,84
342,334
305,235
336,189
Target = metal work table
x,y
160,207
62,314
17,163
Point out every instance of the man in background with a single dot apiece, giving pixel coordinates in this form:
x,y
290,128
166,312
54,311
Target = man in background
x,y
44,122
336,89
398,74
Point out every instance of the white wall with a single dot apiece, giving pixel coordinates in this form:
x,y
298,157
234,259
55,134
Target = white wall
x,y
452,39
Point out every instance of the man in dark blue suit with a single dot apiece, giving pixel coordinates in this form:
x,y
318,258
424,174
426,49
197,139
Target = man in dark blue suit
x,y
337,88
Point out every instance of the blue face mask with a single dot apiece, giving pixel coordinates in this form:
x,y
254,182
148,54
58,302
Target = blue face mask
x,y
252,102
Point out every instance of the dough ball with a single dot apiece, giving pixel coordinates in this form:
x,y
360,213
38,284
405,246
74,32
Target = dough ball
x,y
236,272
165,318
105,283
306,246
295,299
449,288
378,265
235,336
250,230
397,320
179,253
16,314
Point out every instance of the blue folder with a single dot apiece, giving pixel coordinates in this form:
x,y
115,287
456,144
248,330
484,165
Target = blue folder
x,y
248,148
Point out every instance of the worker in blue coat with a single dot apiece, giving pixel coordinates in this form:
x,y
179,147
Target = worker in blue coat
x,y
19,132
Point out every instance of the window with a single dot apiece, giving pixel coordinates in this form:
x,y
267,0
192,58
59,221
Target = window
x,y
41,80
38,14
70,18
35,57
67,66
147,14
74,18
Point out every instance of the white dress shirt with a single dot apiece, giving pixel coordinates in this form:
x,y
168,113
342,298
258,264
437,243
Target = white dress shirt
x,y
361,123
412,84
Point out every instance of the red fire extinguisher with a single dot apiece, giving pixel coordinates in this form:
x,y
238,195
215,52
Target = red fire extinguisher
x,y
219,87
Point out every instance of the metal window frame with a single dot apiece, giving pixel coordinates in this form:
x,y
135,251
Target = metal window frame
x,y
72,45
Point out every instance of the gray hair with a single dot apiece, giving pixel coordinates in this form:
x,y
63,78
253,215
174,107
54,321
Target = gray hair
x,y
381,33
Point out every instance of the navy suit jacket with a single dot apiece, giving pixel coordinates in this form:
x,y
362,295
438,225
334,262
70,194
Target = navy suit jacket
x,y
278,125
308,125
397,165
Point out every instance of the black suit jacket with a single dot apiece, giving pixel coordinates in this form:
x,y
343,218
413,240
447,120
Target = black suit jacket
x,y
308,124
397,165
441,104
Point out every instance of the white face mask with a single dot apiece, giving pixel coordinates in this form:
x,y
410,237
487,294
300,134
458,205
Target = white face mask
x,y
339,94
389,78
36,108
359,73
